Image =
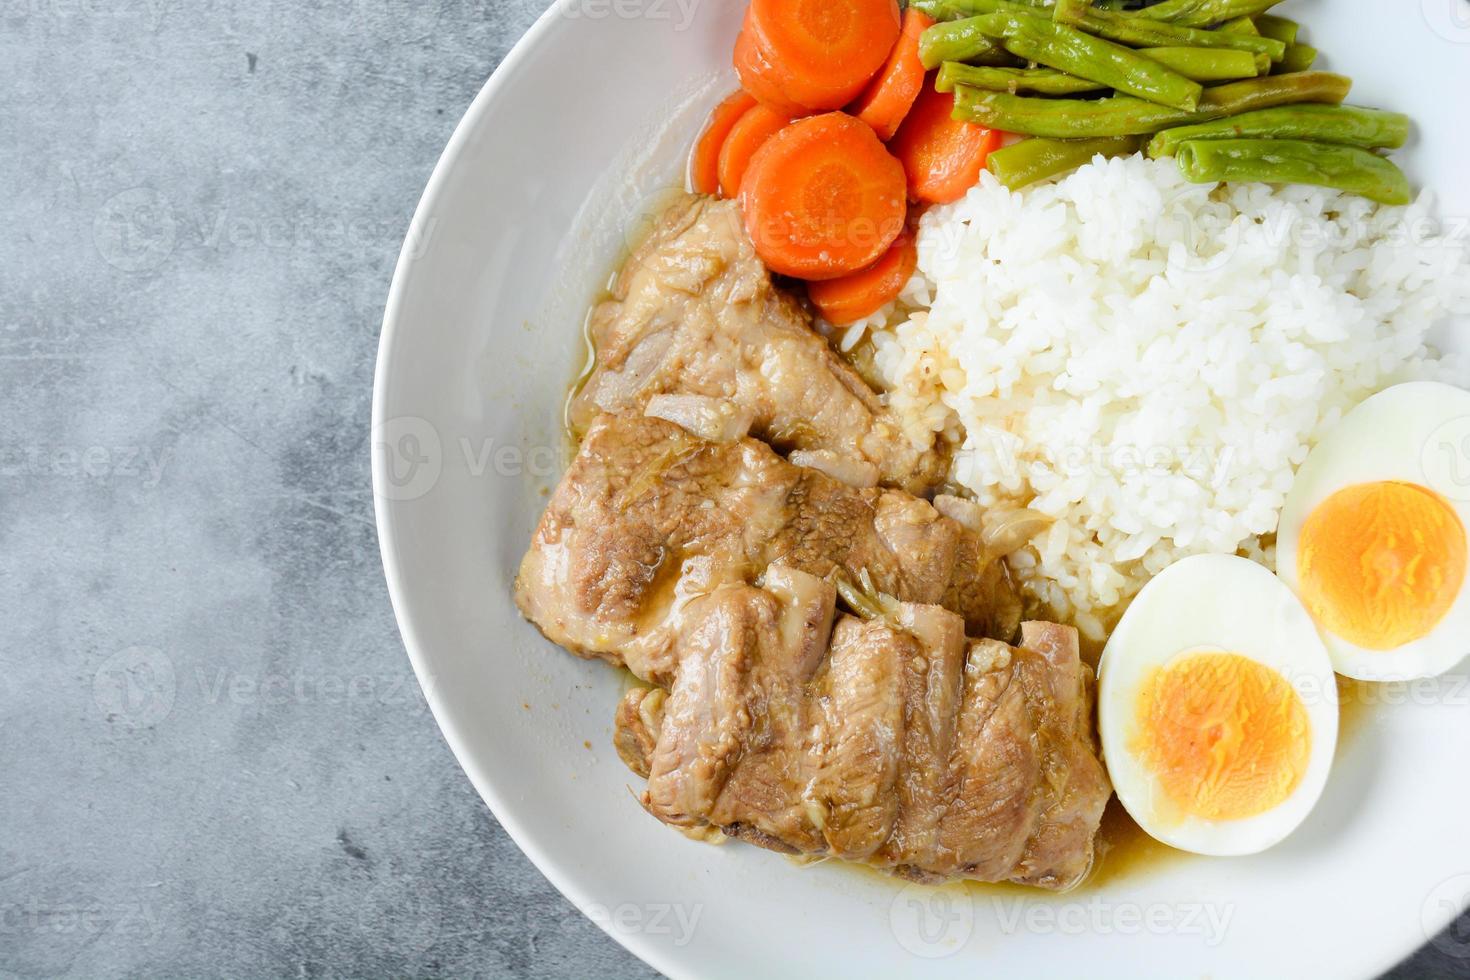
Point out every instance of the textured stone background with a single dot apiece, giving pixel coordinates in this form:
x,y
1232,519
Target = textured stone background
x,y
214,760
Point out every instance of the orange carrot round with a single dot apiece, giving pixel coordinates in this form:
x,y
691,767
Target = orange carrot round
x,y
757,74
823,198
942,156
823,53
846,300
749,135
704,162
891,94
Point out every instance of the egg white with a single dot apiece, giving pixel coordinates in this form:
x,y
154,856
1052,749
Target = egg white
x,y
1224,604
1411,433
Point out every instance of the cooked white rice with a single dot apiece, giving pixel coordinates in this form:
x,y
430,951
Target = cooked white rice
x,y
1147,361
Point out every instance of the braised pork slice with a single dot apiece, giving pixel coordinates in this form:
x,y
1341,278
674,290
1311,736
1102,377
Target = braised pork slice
x,y
649,518
697,333
1075,782
930,687
636,726
858,730
904,745
731,751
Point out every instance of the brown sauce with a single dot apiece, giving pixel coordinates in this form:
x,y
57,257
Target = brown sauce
x,y
571,434
633,240
1125,852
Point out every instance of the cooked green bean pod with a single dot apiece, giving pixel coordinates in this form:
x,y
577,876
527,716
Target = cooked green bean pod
x,y
1124,28
1282,29
1204,13
1186,13
1240,25
1039,81
1344,168
1370,129
1299,57
1210,64
1123,116
1032,160
960,40
1144,32
959,9
1084,56
1070,11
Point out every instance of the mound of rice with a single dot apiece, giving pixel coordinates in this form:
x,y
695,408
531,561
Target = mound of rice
x,y
1148,361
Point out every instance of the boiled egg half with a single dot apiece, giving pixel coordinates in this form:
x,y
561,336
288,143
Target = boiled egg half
x,y
1373,535
1218,708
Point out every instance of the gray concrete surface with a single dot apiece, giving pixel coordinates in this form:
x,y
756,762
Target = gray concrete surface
x,y
213,757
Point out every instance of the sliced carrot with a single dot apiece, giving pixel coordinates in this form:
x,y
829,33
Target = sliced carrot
x,y
823,53
846,300
942,156
757,74
748,136
891,94
704,162
823,198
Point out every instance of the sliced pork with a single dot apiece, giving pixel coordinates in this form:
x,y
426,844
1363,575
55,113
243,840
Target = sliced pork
x,y
650,518
698,334
904,745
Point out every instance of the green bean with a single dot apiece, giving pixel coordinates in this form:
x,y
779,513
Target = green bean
x,y
1183,13
1240,25
1070,50
1282,29
1343,168
1122,27
1369,129
1274,90
1123,116
1144,32
957,9
959,40
1299,57
1041,81
1203,13
1070,11
1210,64
1032,160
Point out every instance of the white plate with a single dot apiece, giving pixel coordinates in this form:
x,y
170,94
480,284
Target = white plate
x,y
576,138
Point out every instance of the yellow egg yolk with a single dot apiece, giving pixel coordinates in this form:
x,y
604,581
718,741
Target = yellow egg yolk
x,y
1225,736
1380,564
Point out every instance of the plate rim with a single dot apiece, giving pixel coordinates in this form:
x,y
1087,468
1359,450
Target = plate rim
x,y
521,52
